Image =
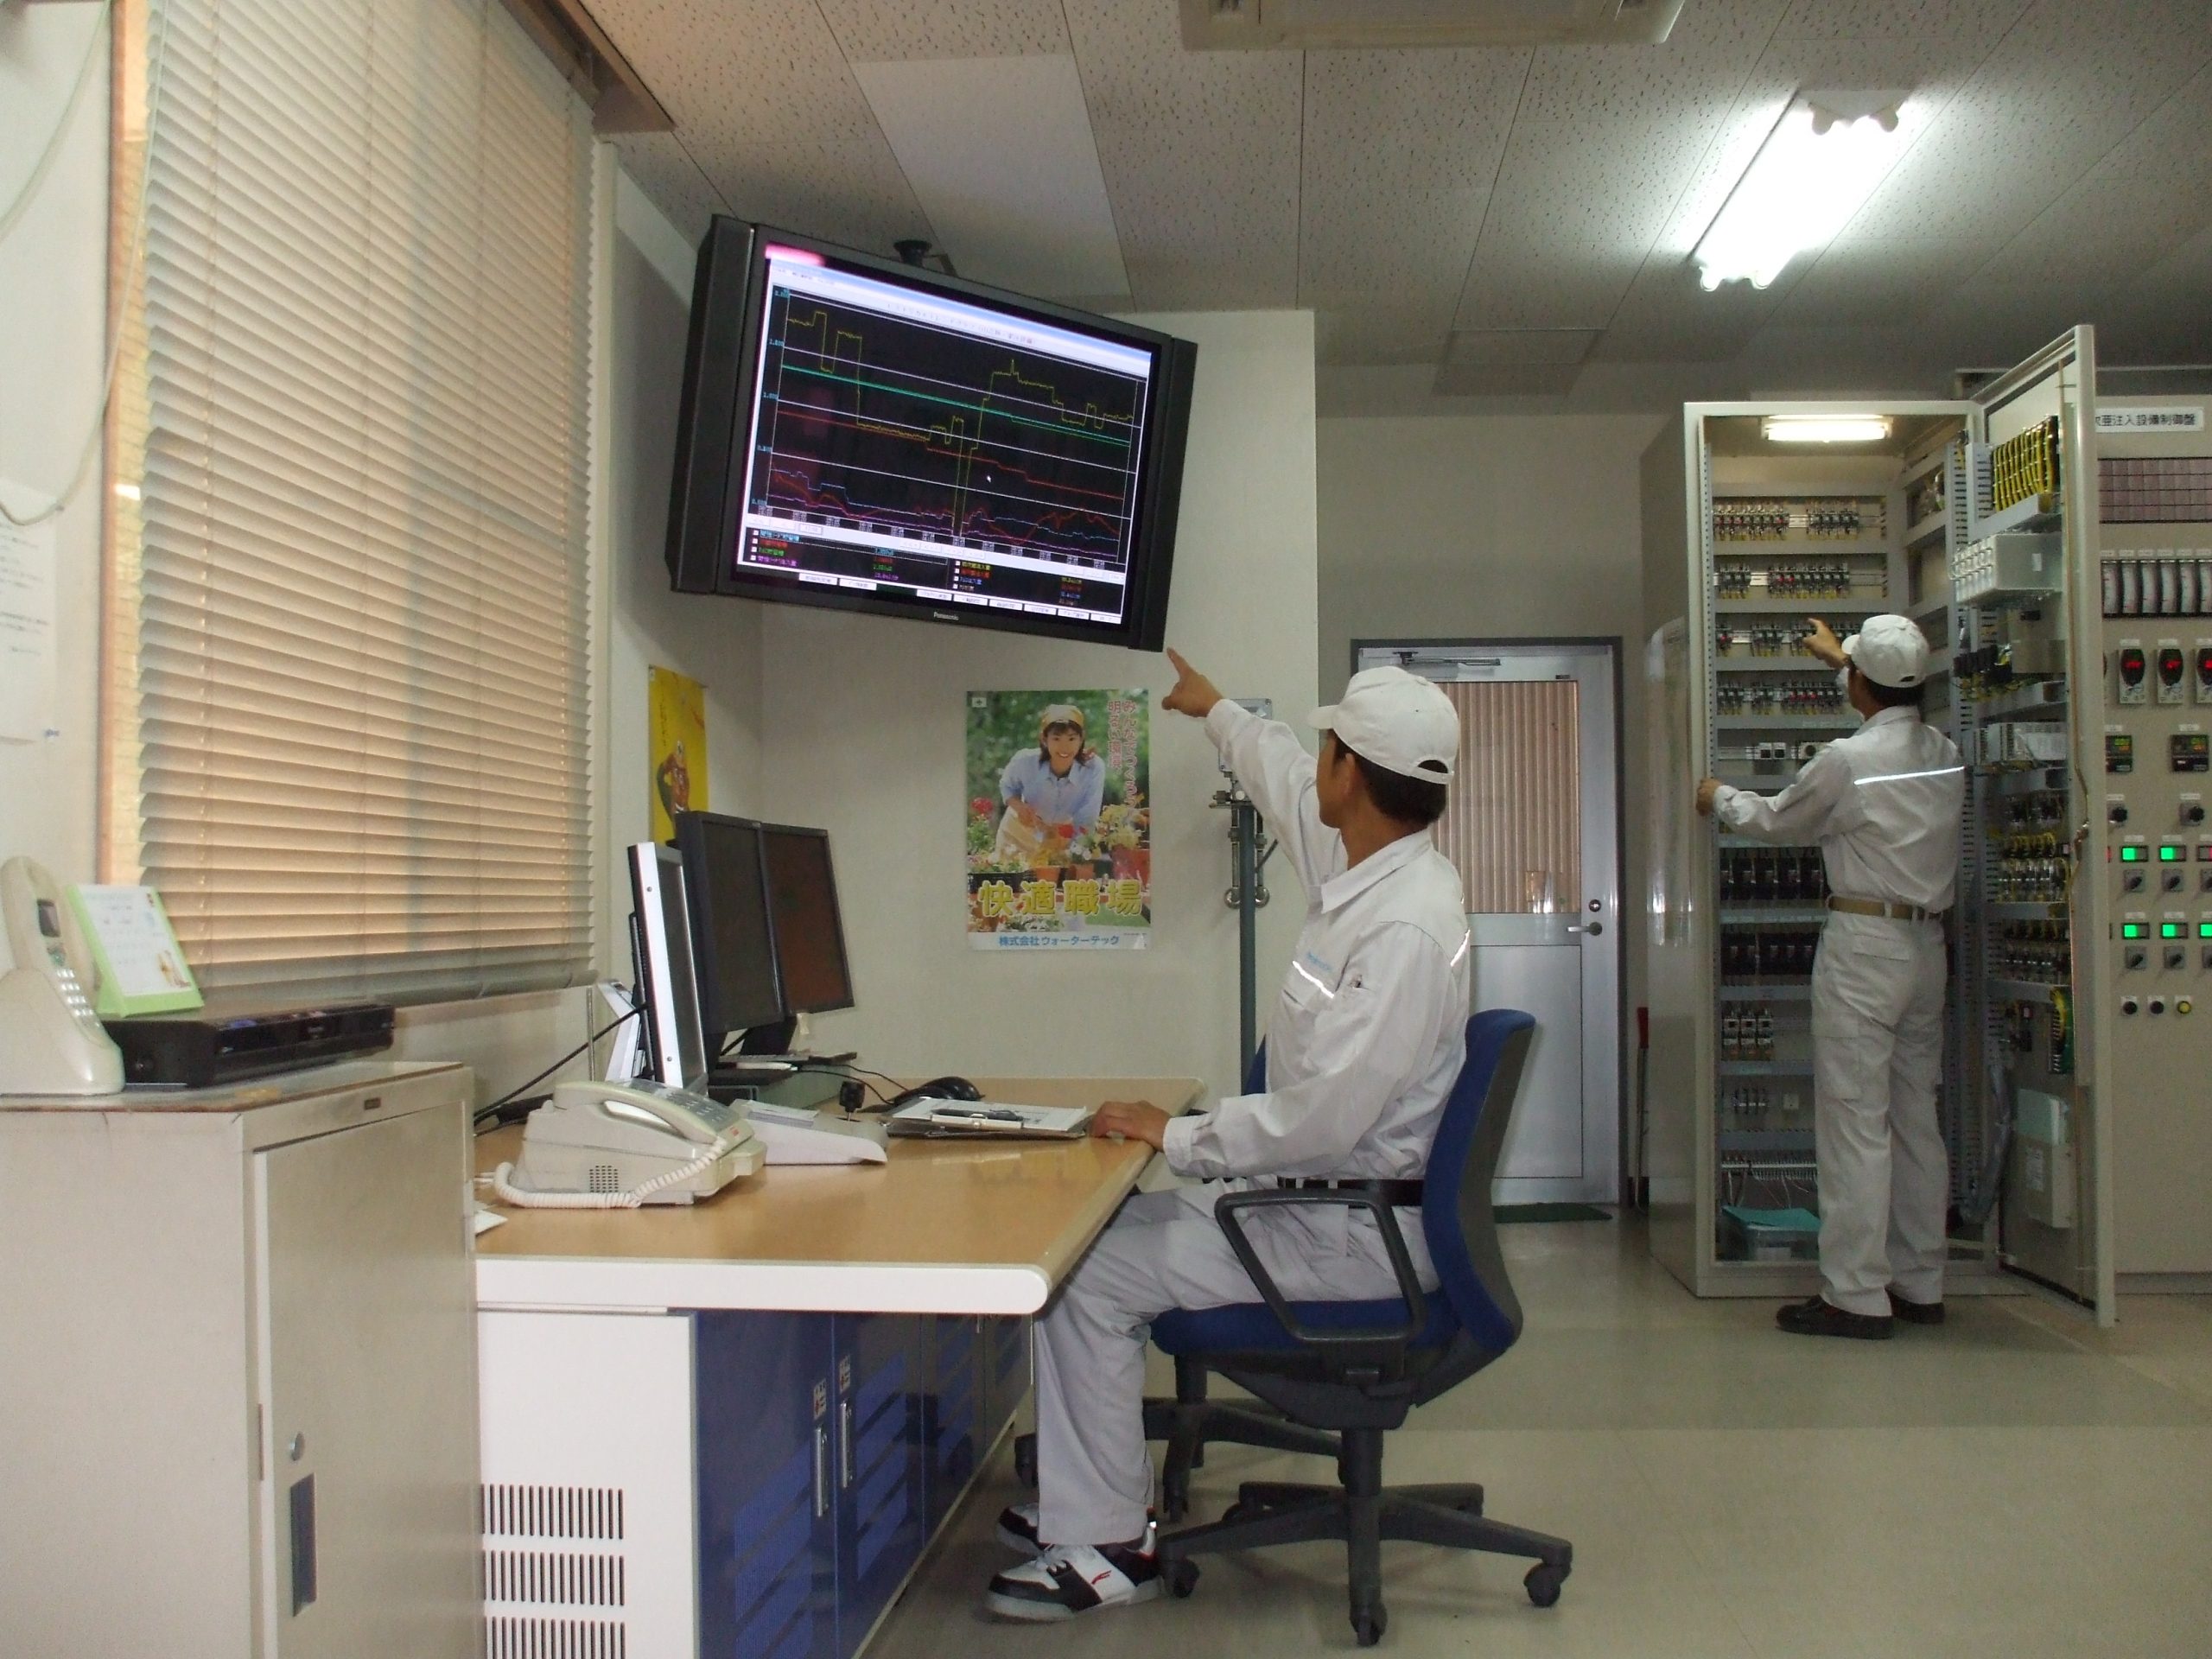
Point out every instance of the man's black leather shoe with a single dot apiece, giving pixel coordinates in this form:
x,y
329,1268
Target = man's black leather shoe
x,y
1822,1318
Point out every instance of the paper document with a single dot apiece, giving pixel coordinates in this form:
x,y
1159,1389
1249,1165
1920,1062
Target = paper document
x,y
26,623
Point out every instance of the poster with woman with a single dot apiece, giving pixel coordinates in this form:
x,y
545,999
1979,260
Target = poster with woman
x,y
1059,820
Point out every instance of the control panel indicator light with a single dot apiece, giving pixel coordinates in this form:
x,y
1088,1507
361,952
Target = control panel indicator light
x,y
2170,854
2170,930
2134,929
2204,930
2133,854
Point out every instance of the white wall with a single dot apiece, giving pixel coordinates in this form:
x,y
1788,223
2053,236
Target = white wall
x,y
53,314
1495,527
864,734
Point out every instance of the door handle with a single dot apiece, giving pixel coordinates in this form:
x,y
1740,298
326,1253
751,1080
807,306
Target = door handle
x,y
844,1444
820,1471
1595,929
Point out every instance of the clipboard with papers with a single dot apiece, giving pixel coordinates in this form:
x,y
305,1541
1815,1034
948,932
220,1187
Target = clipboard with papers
x,y
987,1120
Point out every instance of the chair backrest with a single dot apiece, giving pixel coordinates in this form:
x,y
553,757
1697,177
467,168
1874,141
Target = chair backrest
x,y
1463,1158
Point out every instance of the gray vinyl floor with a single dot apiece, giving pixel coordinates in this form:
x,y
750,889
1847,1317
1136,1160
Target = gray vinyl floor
x,y
2016,1483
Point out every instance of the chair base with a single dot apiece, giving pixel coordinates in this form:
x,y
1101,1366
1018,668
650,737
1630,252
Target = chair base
x,y
1190,1420
1363,1514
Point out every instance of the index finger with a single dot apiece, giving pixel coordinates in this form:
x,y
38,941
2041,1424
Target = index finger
x,y
1176,658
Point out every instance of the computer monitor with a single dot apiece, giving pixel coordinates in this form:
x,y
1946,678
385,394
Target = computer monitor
x,y
726,885
676,1050
810,932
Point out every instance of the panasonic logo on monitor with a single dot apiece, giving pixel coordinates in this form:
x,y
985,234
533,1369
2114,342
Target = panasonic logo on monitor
x,y
945,616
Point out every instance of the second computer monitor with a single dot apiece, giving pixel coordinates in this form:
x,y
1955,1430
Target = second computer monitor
x,y
809,932
727,883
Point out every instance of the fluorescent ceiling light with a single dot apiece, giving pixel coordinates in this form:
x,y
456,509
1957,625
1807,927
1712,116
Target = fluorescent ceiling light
x,y
1815,169
1825,428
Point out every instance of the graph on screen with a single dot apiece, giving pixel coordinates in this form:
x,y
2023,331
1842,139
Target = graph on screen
x,y
941,449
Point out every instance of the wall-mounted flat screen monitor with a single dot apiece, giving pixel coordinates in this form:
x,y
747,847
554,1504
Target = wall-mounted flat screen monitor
x,y
860,433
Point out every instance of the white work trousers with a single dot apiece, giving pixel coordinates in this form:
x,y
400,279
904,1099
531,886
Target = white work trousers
x,y
1878,1053
1165,1251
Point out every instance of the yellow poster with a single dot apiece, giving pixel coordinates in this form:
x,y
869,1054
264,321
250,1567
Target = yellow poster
x,y
675,746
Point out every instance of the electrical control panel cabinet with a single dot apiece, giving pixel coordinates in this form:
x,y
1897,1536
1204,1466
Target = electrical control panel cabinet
x,y
1976,518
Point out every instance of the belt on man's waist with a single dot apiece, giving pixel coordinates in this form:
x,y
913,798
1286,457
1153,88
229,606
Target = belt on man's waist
x,y
1883,908
1394,1193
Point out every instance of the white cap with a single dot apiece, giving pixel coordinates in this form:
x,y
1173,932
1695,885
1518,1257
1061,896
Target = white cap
x,y
1399,721
1890,651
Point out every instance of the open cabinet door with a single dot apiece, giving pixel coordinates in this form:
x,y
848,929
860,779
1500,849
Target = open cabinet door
x,y
2059,994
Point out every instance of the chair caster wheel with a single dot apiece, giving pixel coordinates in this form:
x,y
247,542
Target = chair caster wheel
x,y
1543,1583
1367,1624
1182,1578
1025,1460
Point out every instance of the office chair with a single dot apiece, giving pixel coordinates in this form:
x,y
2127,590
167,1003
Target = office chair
x,y
1332,1377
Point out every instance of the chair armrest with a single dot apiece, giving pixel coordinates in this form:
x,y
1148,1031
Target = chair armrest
x,y
1231,1205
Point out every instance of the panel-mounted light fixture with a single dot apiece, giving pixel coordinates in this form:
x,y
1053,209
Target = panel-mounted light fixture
x,y
1815,169
1825,428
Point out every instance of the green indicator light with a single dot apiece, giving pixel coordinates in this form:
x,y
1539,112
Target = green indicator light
x,y
2169,931
2169,855
2131,931
2131,855
2204,930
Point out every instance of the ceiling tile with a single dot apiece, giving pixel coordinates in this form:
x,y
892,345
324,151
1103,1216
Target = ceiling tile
x,y
1399,151
1479,347
2063,89
1000,153
1200,154
664,169
1604,142
874,31
1900,20
1506,379
764,102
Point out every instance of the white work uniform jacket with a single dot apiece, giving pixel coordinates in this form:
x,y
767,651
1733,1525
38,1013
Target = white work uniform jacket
x,y
1884,804
1368,1035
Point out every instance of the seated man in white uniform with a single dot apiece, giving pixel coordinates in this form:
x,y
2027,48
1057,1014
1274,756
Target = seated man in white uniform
x,y
1363,1045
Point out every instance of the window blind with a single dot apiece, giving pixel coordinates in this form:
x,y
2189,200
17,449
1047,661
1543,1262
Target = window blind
x,y
355,746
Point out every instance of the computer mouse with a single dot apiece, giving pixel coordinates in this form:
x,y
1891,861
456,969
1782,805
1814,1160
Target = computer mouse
x,y
950,1089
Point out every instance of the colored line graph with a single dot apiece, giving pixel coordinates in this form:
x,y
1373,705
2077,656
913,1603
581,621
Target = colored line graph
x,y
900,426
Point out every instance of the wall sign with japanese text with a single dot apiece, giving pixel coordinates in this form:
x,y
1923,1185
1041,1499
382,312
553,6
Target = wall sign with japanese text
x,y
1059,820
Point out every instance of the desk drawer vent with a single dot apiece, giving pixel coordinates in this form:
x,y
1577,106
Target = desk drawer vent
x,y
554,1577
555,1638
509,1511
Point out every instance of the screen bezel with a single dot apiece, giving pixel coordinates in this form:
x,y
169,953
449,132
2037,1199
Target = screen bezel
x,y
1159,473
836,915
671,1060
692,830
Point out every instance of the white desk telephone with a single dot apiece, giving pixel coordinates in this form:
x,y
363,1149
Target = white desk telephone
x,y
616,1146
51,1042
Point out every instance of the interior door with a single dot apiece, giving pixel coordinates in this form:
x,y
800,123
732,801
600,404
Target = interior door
x,y
1534,827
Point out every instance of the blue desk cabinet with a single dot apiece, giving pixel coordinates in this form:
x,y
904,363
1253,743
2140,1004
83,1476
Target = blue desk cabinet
x,y
881,1524
1005,1359
952,1425
768,1509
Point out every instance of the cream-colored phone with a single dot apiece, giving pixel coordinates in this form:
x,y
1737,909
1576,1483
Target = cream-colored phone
x,y
615,1146
51,1042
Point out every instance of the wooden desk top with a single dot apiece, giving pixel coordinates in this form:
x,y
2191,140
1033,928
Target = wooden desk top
x,y
945,1226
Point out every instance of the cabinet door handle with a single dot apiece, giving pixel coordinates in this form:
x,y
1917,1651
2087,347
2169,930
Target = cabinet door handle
x,y
844,1444
820,1471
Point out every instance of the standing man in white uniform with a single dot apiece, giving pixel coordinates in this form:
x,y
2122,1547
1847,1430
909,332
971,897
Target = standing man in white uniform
x,y
1364,1047
1883,805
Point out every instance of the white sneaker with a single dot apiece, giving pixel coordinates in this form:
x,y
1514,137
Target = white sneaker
x,y
1071,1579
1017,1529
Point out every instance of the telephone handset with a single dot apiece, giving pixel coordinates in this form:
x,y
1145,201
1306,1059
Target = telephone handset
x,y
616,1146
51,1042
